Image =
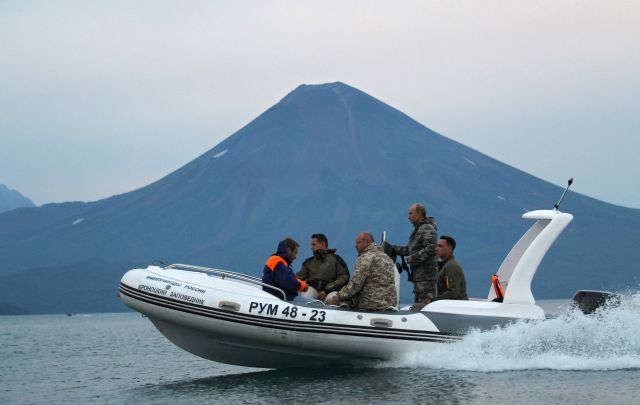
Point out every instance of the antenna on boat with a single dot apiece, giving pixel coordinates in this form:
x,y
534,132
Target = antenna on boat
x,y
563,193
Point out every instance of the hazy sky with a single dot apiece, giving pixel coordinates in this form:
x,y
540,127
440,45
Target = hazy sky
x,y
101,97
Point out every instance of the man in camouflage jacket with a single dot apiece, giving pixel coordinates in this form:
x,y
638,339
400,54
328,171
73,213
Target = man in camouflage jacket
x,y
421,253
372,286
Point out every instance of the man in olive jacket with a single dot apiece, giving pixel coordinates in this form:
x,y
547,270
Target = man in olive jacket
x,y
451,282
421,253
325,270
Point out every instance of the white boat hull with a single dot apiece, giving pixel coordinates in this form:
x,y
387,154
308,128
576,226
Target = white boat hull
x,y
233,322
227,317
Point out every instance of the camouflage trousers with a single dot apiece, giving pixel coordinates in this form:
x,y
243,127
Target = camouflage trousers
x,y
424,284
424,289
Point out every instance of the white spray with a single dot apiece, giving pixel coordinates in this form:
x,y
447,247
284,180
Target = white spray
x,y
606,340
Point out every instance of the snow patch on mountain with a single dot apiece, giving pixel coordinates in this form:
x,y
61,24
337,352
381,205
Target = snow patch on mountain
x,y
217,155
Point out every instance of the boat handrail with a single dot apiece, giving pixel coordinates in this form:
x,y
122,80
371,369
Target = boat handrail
x,y
225,274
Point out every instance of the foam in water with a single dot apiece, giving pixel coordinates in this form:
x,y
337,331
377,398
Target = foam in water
x,y
606,340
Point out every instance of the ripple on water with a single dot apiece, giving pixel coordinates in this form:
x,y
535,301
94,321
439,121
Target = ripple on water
x,y
123,358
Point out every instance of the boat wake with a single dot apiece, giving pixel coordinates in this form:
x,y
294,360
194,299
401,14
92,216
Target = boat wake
x,y
606,340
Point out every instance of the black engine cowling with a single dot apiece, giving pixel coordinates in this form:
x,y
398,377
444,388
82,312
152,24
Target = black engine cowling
x,y
589,301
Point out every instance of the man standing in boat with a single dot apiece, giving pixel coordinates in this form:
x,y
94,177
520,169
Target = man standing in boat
x,y
277,271
421,253
372,286
325,271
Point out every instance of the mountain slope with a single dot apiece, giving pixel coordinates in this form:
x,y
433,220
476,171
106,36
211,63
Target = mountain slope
x,y
12,199
326,158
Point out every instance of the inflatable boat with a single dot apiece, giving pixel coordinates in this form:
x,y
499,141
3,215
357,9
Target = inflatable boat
x,y
227,317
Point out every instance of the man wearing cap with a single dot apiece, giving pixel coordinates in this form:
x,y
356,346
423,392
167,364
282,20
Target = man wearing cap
x,y
277,271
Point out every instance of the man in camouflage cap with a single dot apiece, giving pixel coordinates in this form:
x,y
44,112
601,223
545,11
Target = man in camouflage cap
x,y
421,253
372,286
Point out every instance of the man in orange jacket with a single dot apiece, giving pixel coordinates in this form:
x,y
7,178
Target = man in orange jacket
x,y
277,271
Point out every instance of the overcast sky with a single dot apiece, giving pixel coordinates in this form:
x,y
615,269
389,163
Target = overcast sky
x,y
102,97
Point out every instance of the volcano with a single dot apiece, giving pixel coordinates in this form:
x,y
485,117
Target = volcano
x,y
327,158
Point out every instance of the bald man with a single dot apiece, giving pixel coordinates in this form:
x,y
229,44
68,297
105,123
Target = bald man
x,y
372,286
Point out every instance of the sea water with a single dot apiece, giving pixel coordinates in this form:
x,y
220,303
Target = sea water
x,y
122,358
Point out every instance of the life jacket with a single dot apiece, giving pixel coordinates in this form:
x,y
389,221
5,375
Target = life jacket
x,y
273,262
497,288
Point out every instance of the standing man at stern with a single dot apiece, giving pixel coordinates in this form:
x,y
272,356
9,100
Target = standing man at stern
x,y
421,253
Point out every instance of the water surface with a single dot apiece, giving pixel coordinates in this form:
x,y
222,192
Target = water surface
x,y
122,358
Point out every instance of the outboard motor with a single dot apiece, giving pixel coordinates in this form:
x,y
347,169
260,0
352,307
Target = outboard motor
x,y
589,301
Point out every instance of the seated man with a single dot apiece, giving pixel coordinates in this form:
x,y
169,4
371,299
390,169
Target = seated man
x,y
325,271
451,282
372,286
277,271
